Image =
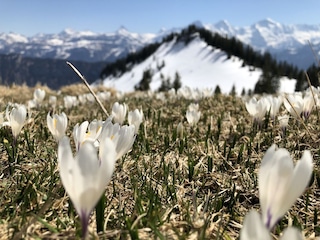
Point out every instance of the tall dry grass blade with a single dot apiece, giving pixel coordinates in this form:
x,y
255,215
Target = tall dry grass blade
x,y
300,118
314,98
88,86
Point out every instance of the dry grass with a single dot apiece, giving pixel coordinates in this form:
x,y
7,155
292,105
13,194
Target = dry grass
x,y
166,187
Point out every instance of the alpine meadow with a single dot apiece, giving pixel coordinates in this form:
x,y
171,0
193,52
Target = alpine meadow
x,y
180,164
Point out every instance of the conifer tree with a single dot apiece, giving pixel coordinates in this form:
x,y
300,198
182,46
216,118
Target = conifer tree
x,y
177,81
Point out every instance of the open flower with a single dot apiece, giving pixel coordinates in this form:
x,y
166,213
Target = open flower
x,y
16,119
87,132
257,108
86,175
280,183
274,105
193,117
57,125
123,137
135,118
119,112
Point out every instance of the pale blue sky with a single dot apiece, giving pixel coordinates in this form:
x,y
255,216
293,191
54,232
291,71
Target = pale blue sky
x,y
29,17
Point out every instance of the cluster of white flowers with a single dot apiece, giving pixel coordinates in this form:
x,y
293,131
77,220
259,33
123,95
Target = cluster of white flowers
x,y
297,105
98,145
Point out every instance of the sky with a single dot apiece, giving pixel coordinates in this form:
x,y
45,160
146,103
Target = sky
x,y
29,17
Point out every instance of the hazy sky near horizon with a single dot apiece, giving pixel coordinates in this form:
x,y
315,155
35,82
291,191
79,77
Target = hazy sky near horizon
x,y
29,17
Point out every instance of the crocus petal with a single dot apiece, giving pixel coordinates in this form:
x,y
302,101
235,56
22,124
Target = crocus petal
x,y
125,141
79,133
107,156
66,162
280,183
291,233
253,228
300,179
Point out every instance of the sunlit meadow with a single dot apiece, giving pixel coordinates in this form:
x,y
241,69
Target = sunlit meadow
x,y
187,176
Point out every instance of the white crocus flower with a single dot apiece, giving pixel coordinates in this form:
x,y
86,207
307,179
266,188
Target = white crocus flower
x,y
122,136
274,105
257,108
119,112
57,125
280,183
70,101
16,119
86,175
253,228
87,132
193,117
39,95
135,118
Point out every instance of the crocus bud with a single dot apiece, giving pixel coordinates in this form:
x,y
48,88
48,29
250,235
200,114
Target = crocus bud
x,y
135,118
57,125
39,95
193,117
16,119
119,112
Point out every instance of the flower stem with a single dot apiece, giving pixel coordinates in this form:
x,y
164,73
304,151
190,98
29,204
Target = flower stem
x,y
100,213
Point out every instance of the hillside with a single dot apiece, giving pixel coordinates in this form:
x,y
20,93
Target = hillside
x,y
51,72
201,59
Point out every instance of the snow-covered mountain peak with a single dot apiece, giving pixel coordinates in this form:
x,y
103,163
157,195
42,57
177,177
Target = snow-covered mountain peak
x,y
122,30
268,23
12,38
224,26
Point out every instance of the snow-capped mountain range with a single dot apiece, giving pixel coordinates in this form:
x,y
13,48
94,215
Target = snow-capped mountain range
x,y
284,42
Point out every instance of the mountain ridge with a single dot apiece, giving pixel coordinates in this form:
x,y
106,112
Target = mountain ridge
x,y
283,41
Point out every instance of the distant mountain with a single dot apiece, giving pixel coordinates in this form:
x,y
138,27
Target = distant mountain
x,y
54,73
284,42
77,46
